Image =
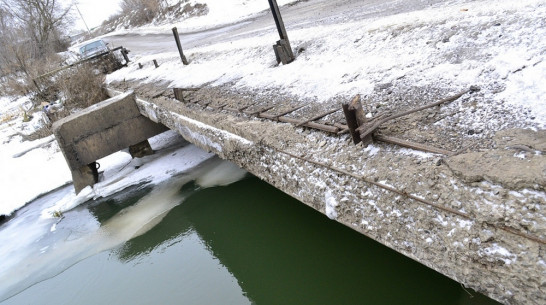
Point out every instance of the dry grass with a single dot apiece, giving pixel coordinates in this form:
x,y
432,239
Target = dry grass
x,y
81,87
141,11
7,118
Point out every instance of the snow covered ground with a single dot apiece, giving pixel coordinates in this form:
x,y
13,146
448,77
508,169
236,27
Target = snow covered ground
x,y
29,169
496,45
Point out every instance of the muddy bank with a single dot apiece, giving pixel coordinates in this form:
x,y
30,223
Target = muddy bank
x,y
476,216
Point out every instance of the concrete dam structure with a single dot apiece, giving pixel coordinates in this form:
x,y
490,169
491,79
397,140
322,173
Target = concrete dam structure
x,y
453,213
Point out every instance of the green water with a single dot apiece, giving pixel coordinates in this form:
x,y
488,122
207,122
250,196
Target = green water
x,y
246,243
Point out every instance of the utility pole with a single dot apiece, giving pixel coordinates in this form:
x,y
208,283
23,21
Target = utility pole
x,y
81,16
283,50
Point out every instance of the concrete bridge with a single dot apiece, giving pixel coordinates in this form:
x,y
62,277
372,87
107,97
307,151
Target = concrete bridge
x,y
427,212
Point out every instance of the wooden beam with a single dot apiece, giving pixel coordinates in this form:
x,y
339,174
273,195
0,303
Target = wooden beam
x,y
371,126
352,125
412,145
356,106
252,113
320,116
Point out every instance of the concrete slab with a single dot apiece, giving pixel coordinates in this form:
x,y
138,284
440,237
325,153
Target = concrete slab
x,y
99,131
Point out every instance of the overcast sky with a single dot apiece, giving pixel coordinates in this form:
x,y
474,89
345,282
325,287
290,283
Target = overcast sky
x,y
94,12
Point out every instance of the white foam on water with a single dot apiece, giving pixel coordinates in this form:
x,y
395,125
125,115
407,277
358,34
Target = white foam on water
x,y
223,174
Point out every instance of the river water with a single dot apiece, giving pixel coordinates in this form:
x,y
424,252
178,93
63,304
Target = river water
x,y
190,240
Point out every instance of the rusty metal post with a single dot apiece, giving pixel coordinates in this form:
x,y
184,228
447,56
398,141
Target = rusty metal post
x,y
124,53
177,39
283,50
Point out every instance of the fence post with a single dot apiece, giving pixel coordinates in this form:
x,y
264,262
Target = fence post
x,y
177,39
124,53
283,50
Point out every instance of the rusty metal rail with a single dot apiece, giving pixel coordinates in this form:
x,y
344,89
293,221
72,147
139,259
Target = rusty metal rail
x,y
333,128
369,127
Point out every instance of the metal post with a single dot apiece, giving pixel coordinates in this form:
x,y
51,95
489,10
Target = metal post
x,y
155,63
177,39
124,53
85,23
283,50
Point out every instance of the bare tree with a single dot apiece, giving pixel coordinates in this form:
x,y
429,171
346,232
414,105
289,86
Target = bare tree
x,y
41,20
31,32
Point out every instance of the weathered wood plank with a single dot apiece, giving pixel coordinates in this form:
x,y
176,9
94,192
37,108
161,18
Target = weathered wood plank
x,y
412,145
252,113
352,125
360,115
320,116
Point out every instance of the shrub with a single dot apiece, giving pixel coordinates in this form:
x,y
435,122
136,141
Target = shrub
x,y
81,87
141,11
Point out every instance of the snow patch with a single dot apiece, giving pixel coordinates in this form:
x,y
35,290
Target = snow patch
x,y
496,250
330,205
224,173
416,153
465,224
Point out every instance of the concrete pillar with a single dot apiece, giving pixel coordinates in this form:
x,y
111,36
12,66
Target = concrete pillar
x,y
141,149
101,130
85,176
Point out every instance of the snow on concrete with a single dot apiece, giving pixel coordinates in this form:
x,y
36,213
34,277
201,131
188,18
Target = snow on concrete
x,y
330,205
500,252
496,45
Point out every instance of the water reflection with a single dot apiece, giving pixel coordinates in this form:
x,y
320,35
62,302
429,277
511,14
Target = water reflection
x,y
282,252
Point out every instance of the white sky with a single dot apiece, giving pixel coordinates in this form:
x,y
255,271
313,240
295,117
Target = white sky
x,y
94,12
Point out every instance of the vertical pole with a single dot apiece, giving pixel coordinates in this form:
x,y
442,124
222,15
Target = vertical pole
x,y
155,63
177,39
284,43
124,54
350,117
85,23
356,117
178,94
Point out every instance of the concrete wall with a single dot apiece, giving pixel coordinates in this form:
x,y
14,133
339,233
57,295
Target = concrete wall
x,y
99,131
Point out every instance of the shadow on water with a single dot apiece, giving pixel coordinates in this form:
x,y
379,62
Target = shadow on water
x,y
105,208
170,228
283,252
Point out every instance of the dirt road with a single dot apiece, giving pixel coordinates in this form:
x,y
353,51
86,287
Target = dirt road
x,y
302,14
